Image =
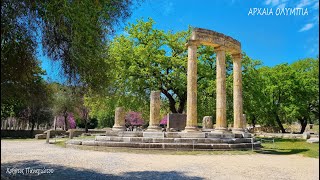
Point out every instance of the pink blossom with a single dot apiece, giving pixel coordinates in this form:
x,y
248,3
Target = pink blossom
x,y
134,119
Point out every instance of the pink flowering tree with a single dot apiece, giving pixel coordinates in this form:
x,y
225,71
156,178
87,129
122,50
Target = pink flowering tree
x,y
164,120
71,121
60,122
134,119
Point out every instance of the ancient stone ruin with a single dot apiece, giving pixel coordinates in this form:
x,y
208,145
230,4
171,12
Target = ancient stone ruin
x,y
191,136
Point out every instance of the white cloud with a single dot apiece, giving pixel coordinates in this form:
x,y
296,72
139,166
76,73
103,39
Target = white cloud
x,y
306,27
316,5
283,5
167,8
304,3
272,2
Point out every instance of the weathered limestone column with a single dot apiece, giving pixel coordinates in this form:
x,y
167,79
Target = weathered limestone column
x,y
237,94
191,124
119,119
48,137
221,118
154,111
244,121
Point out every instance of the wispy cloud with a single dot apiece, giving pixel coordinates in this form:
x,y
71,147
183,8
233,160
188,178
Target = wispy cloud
x,y
281,6
304,3
306,27
167,8
316,5
272,2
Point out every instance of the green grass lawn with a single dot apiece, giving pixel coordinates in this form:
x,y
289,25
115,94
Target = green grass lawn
x,y
289,146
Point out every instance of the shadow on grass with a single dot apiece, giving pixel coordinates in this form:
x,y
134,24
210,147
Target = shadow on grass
x,y
280,140
63,172
281,151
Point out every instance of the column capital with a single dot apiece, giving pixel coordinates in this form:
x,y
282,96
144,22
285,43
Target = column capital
x,y
237,55
220,48
192,43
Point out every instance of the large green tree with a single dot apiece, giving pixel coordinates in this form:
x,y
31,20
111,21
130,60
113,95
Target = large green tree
x,y
149,59
73,32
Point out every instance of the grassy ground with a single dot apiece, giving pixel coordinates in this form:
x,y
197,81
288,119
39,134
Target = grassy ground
x,y
290,146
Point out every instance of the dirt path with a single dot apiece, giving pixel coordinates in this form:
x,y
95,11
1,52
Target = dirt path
x,y
69,163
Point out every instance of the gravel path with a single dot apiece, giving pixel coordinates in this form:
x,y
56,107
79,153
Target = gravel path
x,y
70,163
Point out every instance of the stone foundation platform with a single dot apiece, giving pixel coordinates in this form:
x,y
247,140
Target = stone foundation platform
x,y
173,140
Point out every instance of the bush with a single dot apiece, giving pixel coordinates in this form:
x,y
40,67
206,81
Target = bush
x,y
92,124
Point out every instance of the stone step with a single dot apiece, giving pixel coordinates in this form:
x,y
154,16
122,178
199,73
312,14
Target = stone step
x,y
173,140
218,146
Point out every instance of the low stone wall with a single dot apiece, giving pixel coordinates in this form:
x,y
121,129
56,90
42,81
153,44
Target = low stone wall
x,y
78,132
264,129
283,135
19,133
54,133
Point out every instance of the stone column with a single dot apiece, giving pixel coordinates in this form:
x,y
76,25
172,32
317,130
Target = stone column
x,y
221,118
119,119
191,124
237,94
48,137
244,121
154,111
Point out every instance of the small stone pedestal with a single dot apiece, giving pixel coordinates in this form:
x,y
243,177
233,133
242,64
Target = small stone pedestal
x,y
207,125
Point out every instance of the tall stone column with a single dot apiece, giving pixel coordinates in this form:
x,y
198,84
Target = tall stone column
x,y
221,118
191,124
119,119
154,111
237,94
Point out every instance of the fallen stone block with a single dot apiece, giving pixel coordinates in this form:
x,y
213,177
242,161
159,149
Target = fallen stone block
x,y
313,140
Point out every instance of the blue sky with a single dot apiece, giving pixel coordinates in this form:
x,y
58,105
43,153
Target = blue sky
x,y
272,39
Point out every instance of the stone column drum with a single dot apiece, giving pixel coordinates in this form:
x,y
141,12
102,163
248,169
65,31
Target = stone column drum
x,y
221,119
237,94
119,120
155,104
191,124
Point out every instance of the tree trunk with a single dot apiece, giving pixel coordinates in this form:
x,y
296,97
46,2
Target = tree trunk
x,y
253,122
32,126
55,123
279,123
303,122
172,102
182,105
86,125
66,121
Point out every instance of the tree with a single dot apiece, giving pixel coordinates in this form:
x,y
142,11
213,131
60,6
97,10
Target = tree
x,y
38,108
151,59
304,104
282,94
64,102
134,119
73,32
253,85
